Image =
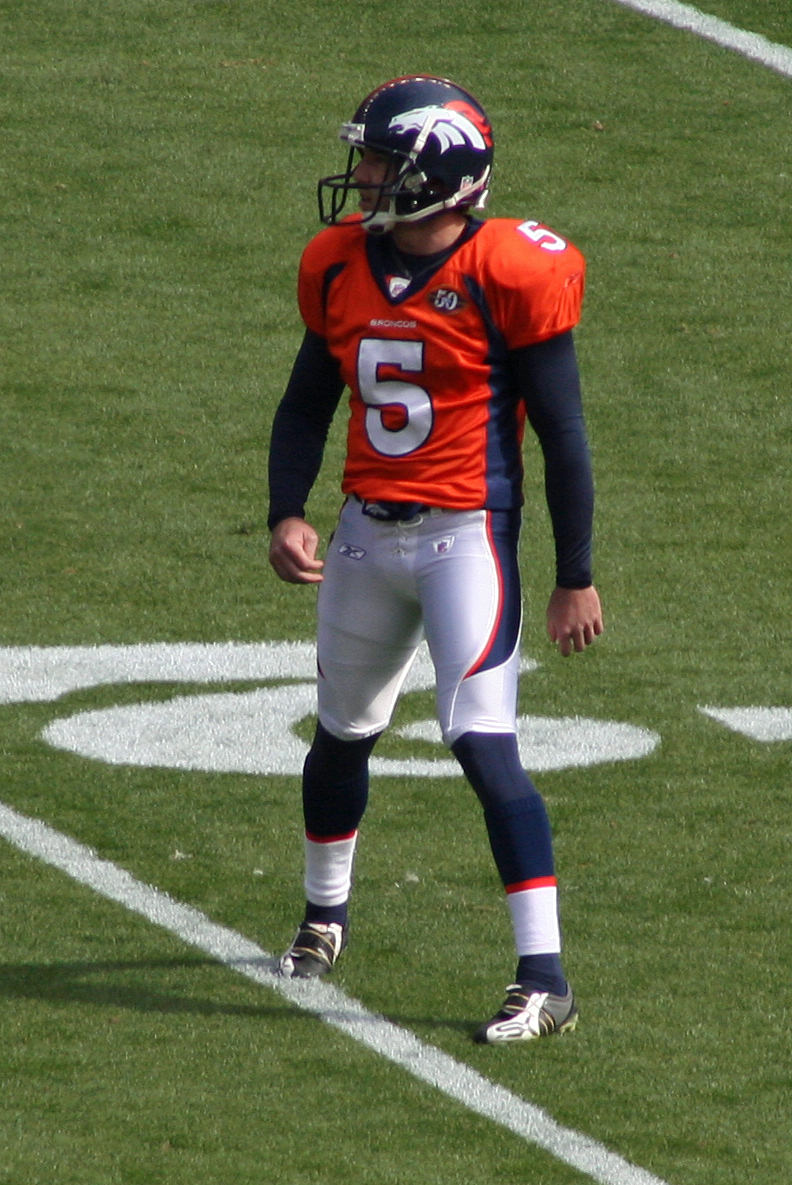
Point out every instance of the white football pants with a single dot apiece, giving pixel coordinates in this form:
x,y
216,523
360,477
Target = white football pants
x,y
387,586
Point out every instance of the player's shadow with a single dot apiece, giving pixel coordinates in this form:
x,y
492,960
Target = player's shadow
x,y
423,1025
119,985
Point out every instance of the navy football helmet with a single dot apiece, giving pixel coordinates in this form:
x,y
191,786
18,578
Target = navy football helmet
x,y
439,140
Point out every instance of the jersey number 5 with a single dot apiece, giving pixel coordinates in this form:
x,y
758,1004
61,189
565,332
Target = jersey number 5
x,y
399,415
547,239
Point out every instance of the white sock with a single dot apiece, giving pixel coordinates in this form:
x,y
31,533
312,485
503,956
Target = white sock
x,y
328,869
534,913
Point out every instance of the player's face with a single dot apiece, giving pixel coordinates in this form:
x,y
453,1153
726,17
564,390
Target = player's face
x,y
373,169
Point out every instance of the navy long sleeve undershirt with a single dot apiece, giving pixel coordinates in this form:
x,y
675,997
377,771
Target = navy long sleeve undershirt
x,y
548,381
546,378
300,427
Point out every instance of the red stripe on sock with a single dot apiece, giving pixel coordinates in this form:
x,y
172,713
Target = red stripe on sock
x,y
329,838
538,882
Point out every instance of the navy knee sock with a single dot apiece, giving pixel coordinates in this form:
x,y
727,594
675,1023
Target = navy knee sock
x,y
514,811
518,829
335,794
335,784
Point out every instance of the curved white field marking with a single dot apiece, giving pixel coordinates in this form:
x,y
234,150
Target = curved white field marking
x,y
401,1047
249,733
760,724
242,733
42,673
564,742
252,733
711,28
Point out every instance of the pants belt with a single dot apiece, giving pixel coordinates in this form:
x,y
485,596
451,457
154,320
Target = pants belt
x,y
393,512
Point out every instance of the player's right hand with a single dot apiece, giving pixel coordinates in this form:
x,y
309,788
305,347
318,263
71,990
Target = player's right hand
x,y
293,552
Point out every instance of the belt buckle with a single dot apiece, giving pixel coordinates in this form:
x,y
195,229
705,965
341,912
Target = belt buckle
x,y
393,512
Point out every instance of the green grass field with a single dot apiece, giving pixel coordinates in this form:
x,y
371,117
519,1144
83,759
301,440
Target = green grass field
x,y
158,171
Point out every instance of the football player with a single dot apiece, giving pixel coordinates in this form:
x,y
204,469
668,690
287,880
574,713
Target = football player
x,y
449,331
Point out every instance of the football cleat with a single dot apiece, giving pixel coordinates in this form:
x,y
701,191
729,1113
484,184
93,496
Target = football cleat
x,y
314,951
527,1014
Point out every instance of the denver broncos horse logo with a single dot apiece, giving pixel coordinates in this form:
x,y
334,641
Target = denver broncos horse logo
x,y
450,127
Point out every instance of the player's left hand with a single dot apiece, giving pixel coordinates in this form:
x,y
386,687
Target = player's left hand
x,y
574,618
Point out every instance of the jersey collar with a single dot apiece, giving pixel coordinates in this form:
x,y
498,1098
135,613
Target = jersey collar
x,y
386,263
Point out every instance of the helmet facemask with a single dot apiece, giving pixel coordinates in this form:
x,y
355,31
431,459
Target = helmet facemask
x,y
399,191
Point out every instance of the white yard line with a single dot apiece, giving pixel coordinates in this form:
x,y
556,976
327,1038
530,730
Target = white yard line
x,y
398,1045
750,45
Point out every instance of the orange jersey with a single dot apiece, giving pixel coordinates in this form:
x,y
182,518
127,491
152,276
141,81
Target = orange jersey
x,y
434,416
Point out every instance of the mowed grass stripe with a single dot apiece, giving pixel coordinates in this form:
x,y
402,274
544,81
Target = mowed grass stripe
x,y
430,1065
